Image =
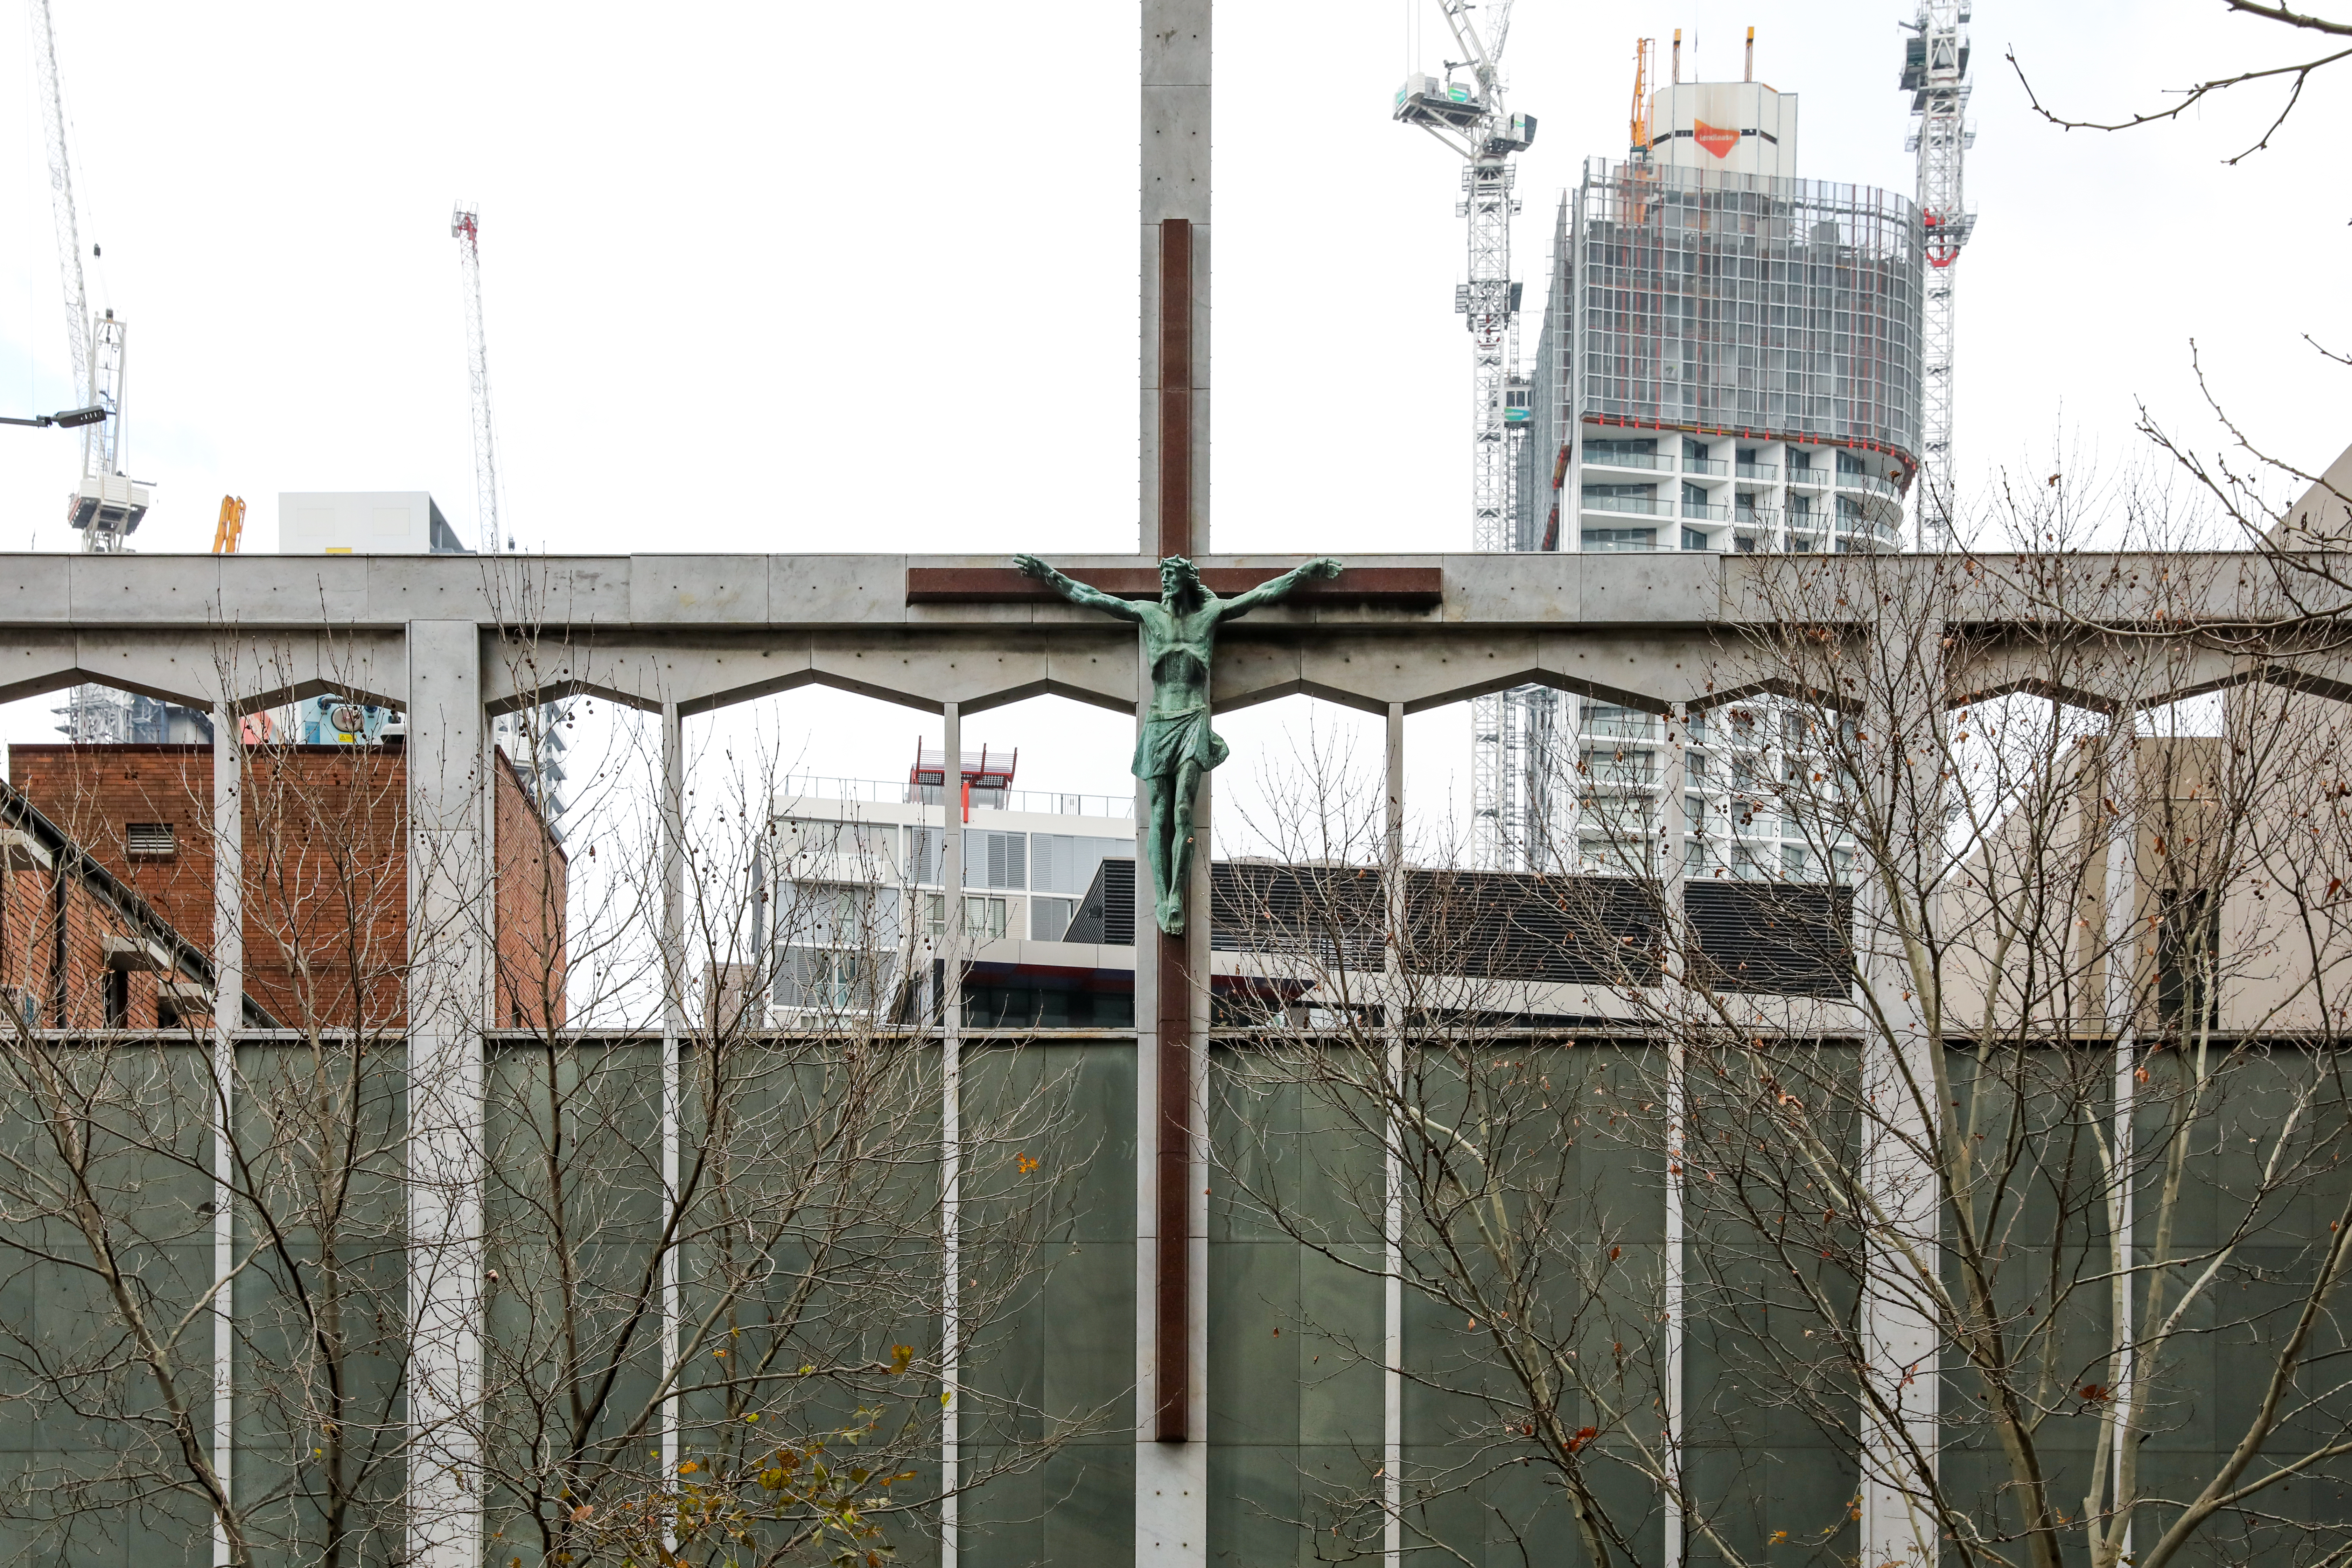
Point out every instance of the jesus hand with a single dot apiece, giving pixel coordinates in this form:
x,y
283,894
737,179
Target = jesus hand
x,y
1321,566
1030,566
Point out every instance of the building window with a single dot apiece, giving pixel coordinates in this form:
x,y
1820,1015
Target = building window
x,y
118,998
984,919
1066,862
997,859
1049,918
151,840
1693,540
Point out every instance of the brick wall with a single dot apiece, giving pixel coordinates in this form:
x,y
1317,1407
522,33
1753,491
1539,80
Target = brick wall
x,y
326,930
527,988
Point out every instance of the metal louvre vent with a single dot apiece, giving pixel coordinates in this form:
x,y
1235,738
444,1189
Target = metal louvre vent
x,y
150,838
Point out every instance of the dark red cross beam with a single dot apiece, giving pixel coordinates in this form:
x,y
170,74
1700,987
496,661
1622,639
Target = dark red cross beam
x,y
1414,587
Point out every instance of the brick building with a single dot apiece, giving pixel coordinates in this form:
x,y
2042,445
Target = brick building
x,y
327,934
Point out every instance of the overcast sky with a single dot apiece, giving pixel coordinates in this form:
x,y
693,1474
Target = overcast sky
x,y
756,283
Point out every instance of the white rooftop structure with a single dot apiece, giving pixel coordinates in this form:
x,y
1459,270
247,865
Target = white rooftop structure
x,y
364,522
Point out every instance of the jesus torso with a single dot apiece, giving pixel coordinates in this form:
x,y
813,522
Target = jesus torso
x,y
1178,645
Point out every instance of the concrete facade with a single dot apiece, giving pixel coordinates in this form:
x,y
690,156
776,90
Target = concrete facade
x,y
456,641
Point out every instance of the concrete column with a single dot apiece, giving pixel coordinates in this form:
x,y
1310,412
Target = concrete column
x,y
1175,238
670,825
1171,1224
1392,1206
951,1137
228,1015
2120,902
448,934
1673,871
1901,720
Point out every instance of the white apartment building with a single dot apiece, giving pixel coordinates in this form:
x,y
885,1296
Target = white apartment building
x,y
858,905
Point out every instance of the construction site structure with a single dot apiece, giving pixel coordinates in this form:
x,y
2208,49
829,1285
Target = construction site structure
x,y
534,737
1470,117
106,505
466,226
1730,361
228,534
1935,74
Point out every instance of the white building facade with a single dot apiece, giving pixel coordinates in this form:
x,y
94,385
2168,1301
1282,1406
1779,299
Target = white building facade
x,y
857,873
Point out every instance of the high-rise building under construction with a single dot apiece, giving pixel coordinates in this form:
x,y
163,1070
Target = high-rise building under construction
x,y
1730,360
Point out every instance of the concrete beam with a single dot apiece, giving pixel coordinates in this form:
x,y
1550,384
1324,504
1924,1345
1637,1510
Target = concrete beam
x,y
577,596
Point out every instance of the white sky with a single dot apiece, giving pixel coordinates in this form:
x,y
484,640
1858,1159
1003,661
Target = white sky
x,y
757,284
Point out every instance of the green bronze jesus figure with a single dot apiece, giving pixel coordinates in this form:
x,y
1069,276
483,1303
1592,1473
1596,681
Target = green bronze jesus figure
x,y
1176,745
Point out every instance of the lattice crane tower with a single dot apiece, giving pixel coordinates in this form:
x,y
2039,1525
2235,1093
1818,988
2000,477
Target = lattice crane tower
x,y
1471,118
1935,74
466,226
108,504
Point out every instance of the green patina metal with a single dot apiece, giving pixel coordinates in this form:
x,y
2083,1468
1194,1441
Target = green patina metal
x,y
1176,745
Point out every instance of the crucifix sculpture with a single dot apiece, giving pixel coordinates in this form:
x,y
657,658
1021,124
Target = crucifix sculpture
x,y
1176,745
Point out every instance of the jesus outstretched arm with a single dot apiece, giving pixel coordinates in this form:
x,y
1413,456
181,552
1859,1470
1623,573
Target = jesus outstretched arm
x,y
1274,588
1077,593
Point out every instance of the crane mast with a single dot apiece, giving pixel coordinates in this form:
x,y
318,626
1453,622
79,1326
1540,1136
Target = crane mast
x,y
1471,118
1935,72
61,201
466,226
533,737
108,504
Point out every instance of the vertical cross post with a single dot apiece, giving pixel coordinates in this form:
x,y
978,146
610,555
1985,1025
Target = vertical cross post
x,y
1171,994
1174,341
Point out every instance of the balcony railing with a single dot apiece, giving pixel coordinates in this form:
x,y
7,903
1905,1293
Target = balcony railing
x,y
1756,517
1758,470
1651,460
1871,483
1706,511
1640,505
1814,477
809,789
1715,466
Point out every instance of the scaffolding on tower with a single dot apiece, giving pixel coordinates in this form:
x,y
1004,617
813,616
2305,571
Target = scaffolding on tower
x,y
1470,117
1935,74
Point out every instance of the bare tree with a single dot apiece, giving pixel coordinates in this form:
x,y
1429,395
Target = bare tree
x,y
712,1269
718,1311
2000,1107
2332,38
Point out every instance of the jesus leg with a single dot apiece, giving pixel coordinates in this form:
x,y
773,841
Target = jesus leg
x,y
1179,871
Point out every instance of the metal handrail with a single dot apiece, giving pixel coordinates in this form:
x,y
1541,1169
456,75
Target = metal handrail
x,y
1871,482
1633,505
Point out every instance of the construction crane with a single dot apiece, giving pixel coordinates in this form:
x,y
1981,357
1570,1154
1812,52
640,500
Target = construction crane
x,y
466,226
1471,118
1935,74
534,737
108,505
230,532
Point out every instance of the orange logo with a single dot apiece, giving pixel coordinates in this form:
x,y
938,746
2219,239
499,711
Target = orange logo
x,y
1715,138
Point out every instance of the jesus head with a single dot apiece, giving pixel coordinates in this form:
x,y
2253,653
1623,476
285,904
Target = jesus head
x,y
1179,580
